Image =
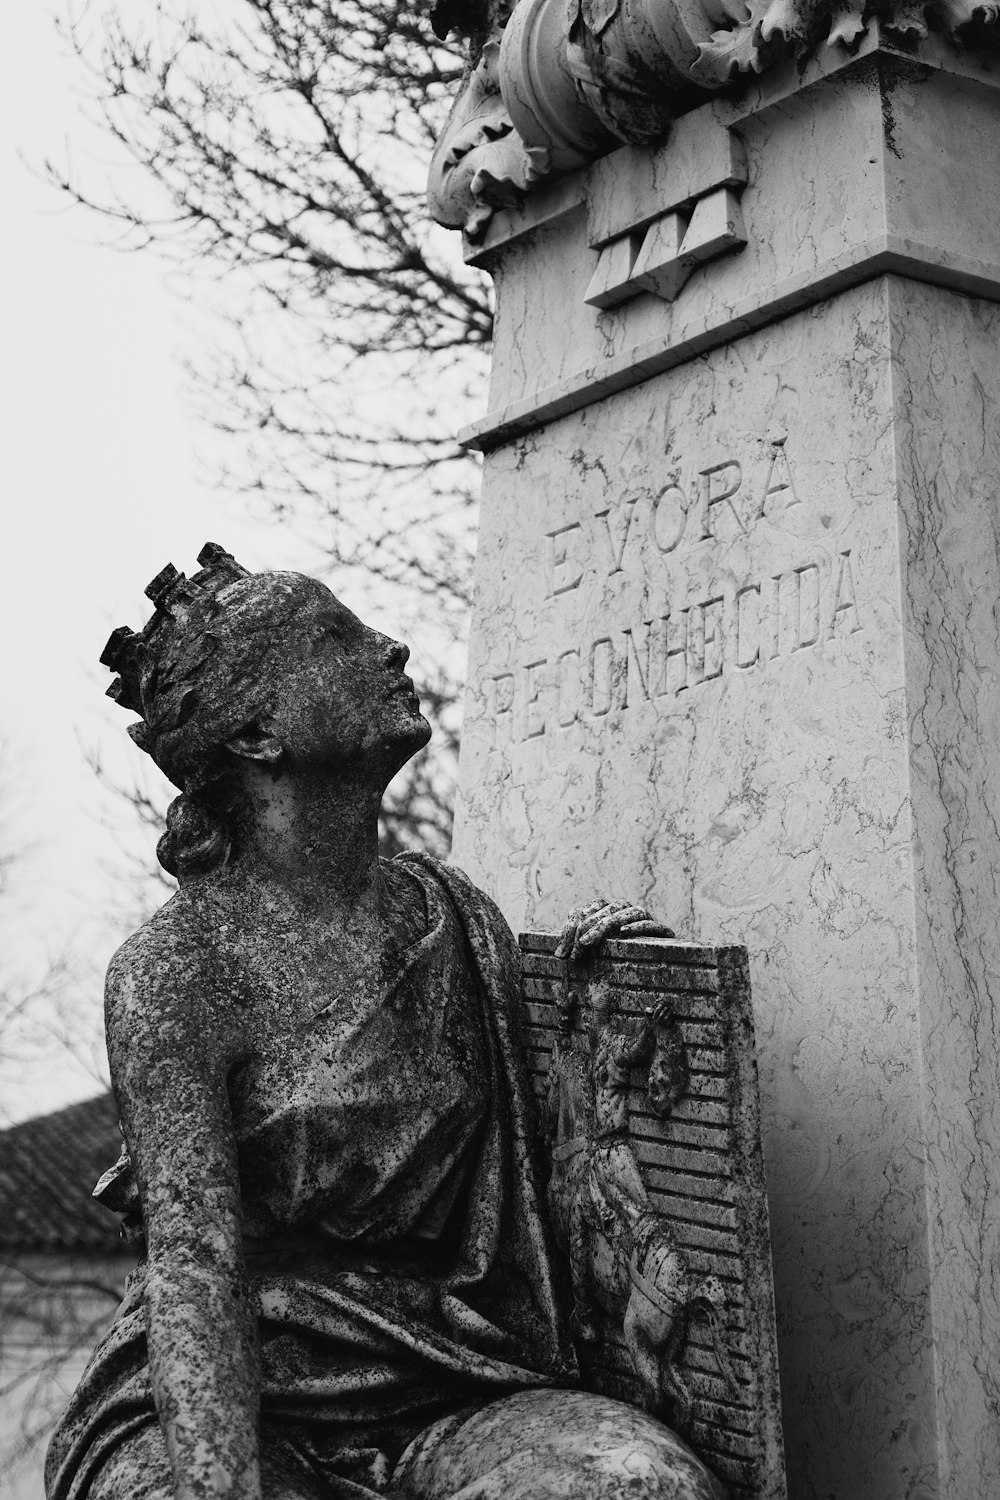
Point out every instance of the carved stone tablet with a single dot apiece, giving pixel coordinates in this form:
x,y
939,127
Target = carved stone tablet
x,y
643,1063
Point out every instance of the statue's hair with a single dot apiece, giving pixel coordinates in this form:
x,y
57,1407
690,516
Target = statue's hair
x,y
197,674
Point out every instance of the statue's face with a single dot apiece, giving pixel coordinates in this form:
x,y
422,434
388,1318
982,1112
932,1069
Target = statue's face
x,y
344,701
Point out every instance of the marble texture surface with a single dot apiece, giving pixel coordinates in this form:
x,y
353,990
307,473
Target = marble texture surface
x,y
947,432
856,172
735,650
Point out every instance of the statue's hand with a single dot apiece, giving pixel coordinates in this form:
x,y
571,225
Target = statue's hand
x,y
587,926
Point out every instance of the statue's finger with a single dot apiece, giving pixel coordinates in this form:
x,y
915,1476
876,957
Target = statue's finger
x,y
568,943
596,932
566,939
608,922
604,910
647,928
627,913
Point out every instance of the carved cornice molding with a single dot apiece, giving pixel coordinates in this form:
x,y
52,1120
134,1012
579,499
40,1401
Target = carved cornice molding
x,y
562,82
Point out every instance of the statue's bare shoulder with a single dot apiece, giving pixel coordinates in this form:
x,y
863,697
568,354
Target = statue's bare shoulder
x,y
170,1000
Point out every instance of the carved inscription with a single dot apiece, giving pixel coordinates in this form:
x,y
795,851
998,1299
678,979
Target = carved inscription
x,y
734,631
729,630
723,502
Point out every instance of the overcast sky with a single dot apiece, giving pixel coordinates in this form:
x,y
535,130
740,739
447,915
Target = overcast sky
x,y
104,482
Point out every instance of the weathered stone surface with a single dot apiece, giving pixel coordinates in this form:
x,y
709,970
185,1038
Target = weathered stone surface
x,y
736,650
557,1445
318,1062
556,86
851,172
643,1063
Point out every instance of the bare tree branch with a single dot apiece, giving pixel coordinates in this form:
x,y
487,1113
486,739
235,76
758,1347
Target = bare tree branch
x,y
283,147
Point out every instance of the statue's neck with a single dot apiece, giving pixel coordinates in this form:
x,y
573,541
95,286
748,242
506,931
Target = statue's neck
x,y
310,842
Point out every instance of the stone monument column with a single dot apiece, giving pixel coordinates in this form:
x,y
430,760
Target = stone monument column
x,y
736,644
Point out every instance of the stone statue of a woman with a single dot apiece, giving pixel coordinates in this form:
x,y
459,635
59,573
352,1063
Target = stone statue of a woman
x,y
346,1285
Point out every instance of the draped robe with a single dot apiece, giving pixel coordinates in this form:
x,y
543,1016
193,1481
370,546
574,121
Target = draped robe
x,y
395,1243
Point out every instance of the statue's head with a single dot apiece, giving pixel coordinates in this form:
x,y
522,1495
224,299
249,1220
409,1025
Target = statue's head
x,y
268,669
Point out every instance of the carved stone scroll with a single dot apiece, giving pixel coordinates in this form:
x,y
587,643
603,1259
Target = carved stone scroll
x,y
643,1062
560,83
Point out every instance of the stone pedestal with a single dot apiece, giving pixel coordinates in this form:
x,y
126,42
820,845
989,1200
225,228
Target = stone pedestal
x,y
736,653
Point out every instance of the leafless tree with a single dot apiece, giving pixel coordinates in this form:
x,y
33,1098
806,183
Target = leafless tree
x,y
53,1309
284,147
41,986
56,1293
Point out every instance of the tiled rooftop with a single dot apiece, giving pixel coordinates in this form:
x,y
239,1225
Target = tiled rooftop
x,y
48,1168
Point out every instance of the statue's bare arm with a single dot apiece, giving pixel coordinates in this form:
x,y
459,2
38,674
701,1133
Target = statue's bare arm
x,y
169,1061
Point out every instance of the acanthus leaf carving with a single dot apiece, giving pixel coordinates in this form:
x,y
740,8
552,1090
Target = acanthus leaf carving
x,y
481,163
560,84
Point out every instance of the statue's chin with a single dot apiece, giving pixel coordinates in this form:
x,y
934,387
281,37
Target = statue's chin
x,y
423,734
416,736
